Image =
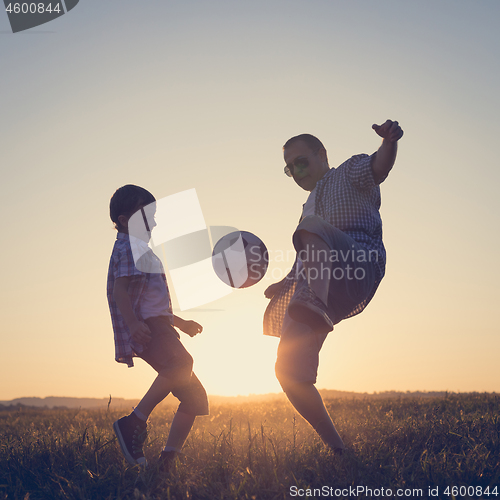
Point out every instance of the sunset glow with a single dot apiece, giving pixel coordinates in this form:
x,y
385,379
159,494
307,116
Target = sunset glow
x,y
180,96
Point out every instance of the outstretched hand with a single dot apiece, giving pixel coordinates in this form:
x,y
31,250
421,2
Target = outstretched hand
x,y
190,327
389,131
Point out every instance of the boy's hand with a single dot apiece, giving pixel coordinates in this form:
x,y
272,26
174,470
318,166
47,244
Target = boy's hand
x,y
187,326
190,327
140,333
390,131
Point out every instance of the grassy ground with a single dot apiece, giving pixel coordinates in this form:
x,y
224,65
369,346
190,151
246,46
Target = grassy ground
x,y
263,451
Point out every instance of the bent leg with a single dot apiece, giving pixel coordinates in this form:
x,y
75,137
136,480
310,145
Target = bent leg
x,y
193,402
352,277
315,255
159,390
166,354
167,381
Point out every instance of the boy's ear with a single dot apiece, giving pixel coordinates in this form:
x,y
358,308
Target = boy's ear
x,y
123,220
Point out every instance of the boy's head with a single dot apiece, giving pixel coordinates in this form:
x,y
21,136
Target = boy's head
x,y
125,202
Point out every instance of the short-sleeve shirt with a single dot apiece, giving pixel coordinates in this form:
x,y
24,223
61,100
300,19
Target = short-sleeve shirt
x,y
122,264
348,198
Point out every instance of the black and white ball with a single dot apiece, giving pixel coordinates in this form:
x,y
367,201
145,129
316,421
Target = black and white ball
x,y
240,259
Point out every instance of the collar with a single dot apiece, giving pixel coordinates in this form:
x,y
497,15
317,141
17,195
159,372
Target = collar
x,y
134,242
327,174
145,259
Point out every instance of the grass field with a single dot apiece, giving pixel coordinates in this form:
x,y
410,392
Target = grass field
x,y
415,447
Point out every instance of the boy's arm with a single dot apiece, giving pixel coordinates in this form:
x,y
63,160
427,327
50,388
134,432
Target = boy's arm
x,y
190,327
384,160
138,330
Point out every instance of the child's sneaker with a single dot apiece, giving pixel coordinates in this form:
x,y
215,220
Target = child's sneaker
x,y
307,308
131,432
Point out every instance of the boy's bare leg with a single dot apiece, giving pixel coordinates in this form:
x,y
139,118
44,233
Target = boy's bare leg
x,y
318,266
179,431
181,423
308,402
158,391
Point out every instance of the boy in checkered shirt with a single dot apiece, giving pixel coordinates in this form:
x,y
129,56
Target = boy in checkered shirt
x,y
143,324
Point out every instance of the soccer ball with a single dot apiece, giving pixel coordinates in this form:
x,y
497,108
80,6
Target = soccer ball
x,y
240,259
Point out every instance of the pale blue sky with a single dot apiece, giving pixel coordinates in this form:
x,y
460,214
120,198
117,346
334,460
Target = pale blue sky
x,y
180,95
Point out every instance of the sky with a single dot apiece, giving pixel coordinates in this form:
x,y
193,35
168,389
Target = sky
x,y
201,95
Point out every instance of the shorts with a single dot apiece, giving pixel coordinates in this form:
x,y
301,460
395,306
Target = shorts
x,y
166,354
352,280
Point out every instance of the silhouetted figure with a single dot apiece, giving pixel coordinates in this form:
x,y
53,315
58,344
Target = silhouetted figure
x,y
143,325
340,263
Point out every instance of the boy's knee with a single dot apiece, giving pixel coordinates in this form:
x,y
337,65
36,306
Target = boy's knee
x,y
197,403
193,398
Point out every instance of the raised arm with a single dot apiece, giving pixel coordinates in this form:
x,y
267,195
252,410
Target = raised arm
x,y
384,160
